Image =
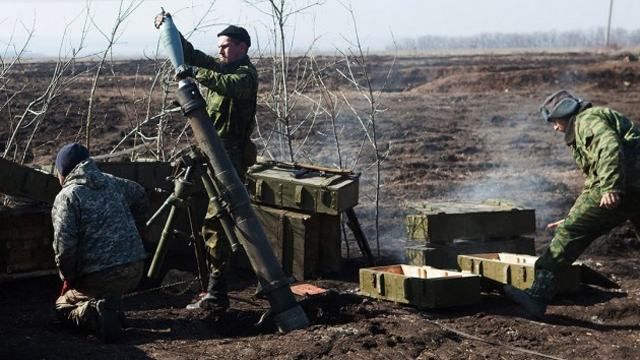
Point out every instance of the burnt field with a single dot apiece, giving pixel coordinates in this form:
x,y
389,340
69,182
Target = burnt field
x,y
459,127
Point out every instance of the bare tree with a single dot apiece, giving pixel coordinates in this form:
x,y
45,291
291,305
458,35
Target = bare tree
x,y
361,81
36,111
10,57
112,37
328,102
280,100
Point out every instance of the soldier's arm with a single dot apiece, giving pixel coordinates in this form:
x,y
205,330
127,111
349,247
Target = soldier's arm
x,y
136,199
66,234
241,84
604,145
198,58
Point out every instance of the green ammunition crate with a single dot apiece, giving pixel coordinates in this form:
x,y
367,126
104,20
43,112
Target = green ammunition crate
x,y
444,222
23,181
307,245
25,242
445,256
284,186
516,270
420,286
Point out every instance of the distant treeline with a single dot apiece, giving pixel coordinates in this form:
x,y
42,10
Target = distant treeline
x,y
549,39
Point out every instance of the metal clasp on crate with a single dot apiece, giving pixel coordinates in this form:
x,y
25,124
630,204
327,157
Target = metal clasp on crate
x,y
259,183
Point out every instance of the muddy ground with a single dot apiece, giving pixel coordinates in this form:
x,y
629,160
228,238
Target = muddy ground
x,y
459,127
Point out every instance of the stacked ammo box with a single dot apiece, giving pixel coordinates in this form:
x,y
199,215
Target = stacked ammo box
x,y
26,234
300,209
451,229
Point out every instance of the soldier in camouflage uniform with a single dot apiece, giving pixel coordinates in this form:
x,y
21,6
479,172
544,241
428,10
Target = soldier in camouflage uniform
x,y
232,83
97,247
606,147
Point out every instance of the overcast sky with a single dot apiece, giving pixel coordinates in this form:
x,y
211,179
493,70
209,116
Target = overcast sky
x,y
378,21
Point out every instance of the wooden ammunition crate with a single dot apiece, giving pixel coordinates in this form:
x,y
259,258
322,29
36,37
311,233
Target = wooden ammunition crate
x,y
25,243
516,270
307,245
445,256
284,186
444,222
23,181
420,286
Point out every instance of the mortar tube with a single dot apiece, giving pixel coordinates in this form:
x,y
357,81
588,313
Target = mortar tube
x,y
288,314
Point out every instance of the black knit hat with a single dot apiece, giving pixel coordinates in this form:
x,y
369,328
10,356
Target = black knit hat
x,y
237,33
69,156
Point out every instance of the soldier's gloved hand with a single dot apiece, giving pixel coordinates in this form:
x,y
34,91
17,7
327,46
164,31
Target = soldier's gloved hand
x,y
185,72
610,200
159,19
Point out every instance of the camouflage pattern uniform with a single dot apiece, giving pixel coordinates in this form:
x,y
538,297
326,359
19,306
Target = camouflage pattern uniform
x,y
97,247
231,104
606,147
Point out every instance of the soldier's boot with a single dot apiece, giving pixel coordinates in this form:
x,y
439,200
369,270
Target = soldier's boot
x,y
216,299
535,299
109,325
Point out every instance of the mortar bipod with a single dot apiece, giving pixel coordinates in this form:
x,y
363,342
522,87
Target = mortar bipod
x,y
190,165
178,199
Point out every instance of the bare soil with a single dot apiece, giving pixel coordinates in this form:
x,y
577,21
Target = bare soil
x,y
457,128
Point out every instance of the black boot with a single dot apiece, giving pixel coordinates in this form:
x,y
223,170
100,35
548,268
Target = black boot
x,y
109,323
535,299
216,299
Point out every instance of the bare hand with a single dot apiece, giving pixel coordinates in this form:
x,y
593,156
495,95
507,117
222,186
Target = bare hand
x,y
159,19
554,225
610,200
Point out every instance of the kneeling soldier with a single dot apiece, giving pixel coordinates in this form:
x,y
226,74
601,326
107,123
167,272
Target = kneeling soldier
x,y
98,249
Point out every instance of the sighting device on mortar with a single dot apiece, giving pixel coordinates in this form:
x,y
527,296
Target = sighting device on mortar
x,y
287,313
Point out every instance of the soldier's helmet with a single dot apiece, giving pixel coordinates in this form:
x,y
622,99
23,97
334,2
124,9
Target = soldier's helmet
x,y
560,105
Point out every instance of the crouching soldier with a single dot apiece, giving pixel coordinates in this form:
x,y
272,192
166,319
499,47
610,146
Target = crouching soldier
x,y
606,147
97,247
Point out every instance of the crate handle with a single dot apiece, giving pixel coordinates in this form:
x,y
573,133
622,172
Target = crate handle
x,y
507,275
381,285
477,266
298,194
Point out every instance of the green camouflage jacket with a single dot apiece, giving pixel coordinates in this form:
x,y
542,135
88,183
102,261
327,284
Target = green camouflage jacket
x,y
606,146
233,90
94,222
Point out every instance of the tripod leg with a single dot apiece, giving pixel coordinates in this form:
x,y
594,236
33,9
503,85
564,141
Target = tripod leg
x,y
354,225
163,245
198,247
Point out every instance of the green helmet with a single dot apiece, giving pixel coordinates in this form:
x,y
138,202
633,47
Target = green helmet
x,y
560,105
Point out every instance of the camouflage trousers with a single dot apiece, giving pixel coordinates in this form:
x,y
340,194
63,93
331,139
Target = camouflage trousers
x,y
216,240
585,222
76,305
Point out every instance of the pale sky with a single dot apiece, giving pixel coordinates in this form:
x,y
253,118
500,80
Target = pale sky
x,y
378,21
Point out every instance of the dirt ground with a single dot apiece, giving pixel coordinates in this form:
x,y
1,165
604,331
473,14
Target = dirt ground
x,y
461,127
